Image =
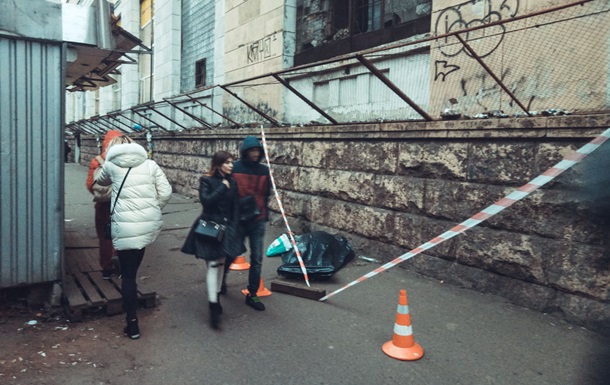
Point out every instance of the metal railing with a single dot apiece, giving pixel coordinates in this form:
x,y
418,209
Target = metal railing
x,y
504,64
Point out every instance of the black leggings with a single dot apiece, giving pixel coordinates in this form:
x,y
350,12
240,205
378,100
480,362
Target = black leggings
x,y
130,261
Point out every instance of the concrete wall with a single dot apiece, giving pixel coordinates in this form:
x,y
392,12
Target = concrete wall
x,y
167,47
129,10
253,45
391,187
545,64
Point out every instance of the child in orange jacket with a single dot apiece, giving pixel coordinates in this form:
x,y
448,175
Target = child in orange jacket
x,y
101,197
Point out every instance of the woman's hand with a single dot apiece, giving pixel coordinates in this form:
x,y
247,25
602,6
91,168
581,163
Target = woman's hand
x,y
226,183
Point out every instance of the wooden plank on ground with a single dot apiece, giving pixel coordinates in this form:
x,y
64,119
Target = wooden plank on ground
x,y
89,289
146,295
75,300
73,293
114,301
82,259
297,289
90,259
76,240
70,262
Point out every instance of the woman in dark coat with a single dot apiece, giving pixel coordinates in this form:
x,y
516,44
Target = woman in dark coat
x,y
218,195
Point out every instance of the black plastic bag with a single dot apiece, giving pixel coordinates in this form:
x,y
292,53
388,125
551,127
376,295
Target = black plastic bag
x,y
323,255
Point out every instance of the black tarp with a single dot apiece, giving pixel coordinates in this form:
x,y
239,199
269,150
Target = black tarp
x,y
323,255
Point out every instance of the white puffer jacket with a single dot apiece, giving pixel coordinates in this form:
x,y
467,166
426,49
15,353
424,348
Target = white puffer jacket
x,y
136,221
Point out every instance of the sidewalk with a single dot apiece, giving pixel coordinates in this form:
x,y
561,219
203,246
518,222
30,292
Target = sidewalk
x,y
468,337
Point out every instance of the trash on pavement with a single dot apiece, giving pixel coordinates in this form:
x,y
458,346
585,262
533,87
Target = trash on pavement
x,y
279,246
323,255
368,259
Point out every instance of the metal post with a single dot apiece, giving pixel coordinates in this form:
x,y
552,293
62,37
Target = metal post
x,y
150,120
491,73
95,128
101,122
131,120
111,123
261,113
113,117
166,117
214,111
393,87
303,98
203,122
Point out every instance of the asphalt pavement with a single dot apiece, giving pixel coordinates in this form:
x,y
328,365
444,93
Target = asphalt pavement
x,y
467,337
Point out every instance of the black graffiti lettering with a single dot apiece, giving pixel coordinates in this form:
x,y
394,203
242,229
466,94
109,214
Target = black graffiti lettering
x,y
260,49
252,51
451,20
442,69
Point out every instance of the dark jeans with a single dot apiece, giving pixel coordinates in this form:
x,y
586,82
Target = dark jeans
x,y
102,216
255,231
130,261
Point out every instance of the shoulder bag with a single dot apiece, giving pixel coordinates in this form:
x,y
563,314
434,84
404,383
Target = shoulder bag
x,y
210,230
108,228
100,193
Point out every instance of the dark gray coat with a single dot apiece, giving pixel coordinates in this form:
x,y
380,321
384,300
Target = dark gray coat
x,y
219,205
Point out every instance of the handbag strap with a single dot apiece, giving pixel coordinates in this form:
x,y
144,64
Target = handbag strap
x,y
119,193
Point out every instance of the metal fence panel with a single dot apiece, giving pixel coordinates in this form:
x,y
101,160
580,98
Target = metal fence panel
x,y
31,162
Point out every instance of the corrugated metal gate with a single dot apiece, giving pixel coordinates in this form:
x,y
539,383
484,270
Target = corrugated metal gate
x,y
31,162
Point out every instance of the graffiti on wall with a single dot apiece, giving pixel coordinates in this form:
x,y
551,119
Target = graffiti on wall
x,y
261,49
461,16
442,68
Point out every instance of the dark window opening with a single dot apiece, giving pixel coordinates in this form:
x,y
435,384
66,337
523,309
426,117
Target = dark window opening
x,y
368,16
326,29
341,14
200,72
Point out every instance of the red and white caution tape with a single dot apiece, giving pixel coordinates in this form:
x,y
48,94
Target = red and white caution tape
x,y
523,191
279,203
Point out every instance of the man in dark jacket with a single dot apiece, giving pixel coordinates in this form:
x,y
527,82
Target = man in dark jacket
x,y
253,179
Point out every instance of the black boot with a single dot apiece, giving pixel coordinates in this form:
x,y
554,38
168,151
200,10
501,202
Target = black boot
x,y
223,285
132,330
215,311
219,306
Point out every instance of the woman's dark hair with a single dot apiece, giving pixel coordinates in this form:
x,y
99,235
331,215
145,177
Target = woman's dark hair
x,y
218,159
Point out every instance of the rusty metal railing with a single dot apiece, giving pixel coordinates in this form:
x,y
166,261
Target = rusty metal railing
x,y
470,49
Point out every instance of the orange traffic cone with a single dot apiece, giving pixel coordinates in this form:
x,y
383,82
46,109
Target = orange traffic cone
x,y
262,290
240,264
403,346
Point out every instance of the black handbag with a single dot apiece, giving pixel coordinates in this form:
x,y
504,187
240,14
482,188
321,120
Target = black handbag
x,y
108,227
210,230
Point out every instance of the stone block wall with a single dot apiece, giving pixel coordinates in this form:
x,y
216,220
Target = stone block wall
x,y
392,187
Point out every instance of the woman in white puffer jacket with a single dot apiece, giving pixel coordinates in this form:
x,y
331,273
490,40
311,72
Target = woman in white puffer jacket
x,y
136,221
